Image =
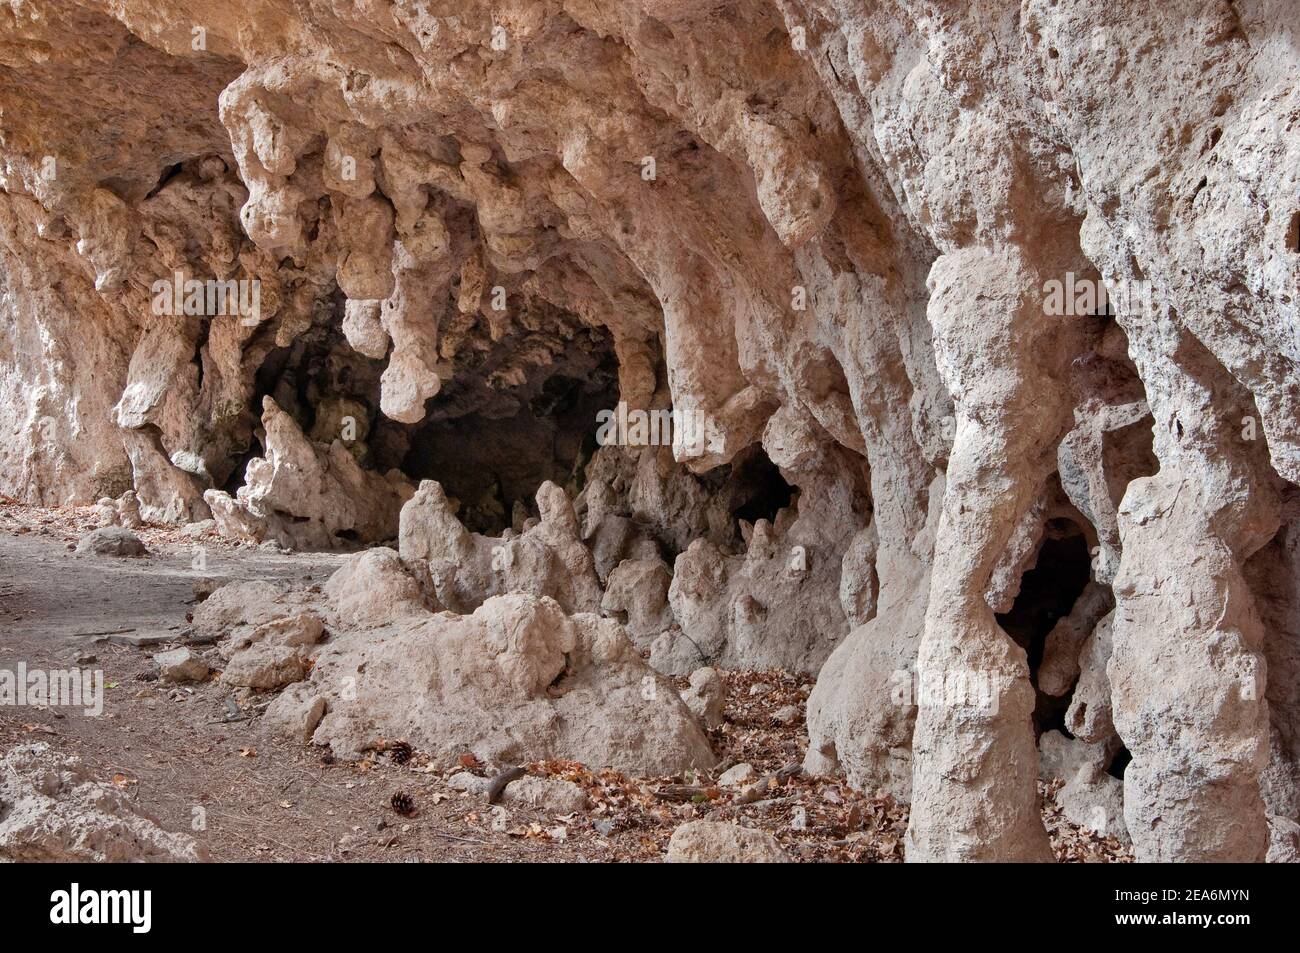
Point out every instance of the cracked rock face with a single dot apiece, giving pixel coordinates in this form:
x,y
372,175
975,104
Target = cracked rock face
x,y
975,324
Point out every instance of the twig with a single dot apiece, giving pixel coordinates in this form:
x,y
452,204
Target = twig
x,y
681,792
756,790
450,836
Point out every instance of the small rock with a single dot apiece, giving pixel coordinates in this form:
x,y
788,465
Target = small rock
x,y
112,541
348,842
705,696
469,783
736,776
265,667
786,715
1283,840
553,796
302,628
105,513
201,528
295,713
714,842
181,665
127,508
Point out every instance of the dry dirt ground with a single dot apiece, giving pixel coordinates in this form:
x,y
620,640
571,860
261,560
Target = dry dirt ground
x,y
196,758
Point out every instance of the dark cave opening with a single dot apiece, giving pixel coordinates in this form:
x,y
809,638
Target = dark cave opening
x,y
493,434
757,489
318,380
1048,591
167,174
492,446
265,380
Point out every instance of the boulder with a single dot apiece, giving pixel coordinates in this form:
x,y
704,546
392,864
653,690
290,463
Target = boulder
x,y
294,713
545,794
53,811
517,681
737,775
705,696
374,588
265,666
714,842
181,665
112,541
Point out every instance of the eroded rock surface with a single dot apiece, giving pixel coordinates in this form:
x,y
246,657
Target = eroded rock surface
x,y
975,323
713,842
519,680
53,811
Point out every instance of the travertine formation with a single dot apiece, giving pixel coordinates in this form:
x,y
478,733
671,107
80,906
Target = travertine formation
x,y
518,680
53,811
976,323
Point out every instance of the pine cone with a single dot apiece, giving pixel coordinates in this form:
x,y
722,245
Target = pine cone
x,y
403,804
400,752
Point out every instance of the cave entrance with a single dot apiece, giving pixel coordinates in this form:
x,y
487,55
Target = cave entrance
x,y
1048,592
492,445
323,384
758,491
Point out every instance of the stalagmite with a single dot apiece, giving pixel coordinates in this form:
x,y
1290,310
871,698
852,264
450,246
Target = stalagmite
x,y
945,353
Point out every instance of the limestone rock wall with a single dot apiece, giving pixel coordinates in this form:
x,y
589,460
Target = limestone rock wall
x,y
863,240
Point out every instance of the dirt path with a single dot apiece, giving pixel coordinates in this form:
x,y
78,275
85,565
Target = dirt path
x,y
252,797
246,796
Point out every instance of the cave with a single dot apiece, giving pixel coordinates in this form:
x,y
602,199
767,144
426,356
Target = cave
x,y
491,438
1048,591
477,229
491,446
758,490
318,380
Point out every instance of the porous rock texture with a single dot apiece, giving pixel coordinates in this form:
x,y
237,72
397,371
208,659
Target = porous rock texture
x,y
53,811
369,661
978,507
713,842
516,681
